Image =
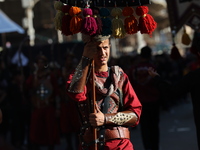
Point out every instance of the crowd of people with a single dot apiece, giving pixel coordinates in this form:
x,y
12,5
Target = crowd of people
x,y
37,111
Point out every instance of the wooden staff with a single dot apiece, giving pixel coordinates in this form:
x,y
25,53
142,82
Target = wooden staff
x,y
93,101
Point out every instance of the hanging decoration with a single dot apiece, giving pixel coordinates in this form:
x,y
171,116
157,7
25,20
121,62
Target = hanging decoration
x,y
95,11
89,25
185,39
175,55
118,30
65,28
146,22
76,21
59,14
92,17
130,22
106,21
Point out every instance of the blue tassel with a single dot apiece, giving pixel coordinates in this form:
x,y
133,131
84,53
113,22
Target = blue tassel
x,y
106,21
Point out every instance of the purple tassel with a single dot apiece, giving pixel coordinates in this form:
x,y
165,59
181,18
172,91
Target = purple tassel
x,y
98,19
89,25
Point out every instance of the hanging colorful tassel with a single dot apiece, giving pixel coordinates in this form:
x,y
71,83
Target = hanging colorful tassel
x,y
175,55
185,37
146,22
59,14
66,21
106,21
95,11
89,25
76,21
130,22
118,30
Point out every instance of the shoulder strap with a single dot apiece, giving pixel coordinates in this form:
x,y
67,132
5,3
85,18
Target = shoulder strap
x,y
121,102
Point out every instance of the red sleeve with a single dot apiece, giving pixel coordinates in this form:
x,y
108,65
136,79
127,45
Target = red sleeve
x,y
76,96
131,101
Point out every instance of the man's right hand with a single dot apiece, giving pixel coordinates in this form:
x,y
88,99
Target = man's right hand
x,y
90,49
152,72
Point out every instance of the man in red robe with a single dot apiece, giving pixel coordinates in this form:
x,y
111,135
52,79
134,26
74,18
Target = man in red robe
x,y
42,88
117,106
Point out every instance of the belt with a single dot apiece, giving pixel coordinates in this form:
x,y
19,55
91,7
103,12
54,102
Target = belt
x,y
117,133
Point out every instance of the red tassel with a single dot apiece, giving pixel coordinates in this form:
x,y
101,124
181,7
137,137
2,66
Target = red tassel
x,y
95,11
76,21
130,22
89,25
175,55
146,22
66,21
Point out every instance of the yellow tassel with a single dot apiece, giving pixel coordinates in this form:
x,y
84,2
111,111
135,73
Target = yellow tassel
x,y
118,30
59,14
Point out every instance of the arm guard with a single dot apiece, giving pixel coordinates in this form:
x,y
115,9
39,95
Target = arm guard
x,y
125,118
80,76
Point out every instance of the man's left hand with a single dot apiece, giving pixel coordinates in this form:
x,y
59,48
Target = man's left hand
x,y
96,119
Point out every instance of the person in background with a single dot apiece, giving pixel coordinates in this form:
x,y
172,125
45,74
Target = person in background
x,y
69,124
117,105
4,103
42,88
19,109
149,96
189,83
1,116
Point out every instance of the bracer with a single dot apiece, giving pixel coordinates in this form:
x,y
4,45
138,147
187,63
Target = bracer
x,y
124,118
80,76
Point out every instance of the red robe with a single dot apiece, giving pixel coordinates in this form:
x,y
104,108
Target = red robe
x,y
131,102
44,127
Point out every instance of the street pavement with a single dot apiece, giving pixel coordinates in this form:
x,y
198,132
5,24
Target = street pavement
x,y
177,129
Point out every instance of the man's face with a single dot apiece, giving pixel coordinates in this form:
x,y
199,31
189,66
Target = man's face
x,y
103,53
41,64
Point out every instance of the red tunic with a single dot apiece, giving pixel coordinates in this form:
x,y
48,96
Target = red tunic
x,y
44,127
131,102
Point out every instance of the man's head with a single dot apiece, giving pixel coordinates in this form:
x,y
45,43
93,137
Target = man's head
x,y
103,53
100,46
146,52
41,61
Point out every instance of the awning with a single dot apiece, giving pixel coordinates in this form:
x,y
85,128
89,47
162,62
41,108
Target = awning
x,y
7,25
